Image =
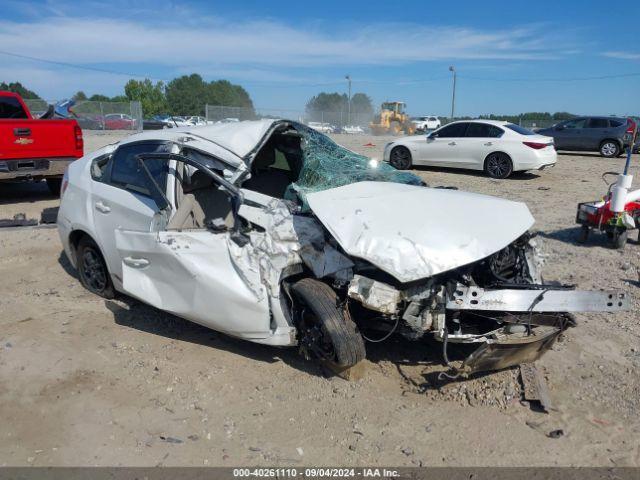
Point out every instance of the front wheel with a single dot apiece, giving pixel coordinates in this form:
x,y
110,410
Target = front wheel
x,y
609,149
498,165
400,158
324,331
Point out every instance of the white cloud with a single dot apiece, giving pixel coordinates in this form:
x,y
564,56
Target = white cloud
x,y
87,40
622,55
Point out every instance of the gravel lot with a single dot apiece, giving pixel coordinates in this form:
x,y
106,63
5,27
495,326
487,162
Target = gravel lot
x,y
89,382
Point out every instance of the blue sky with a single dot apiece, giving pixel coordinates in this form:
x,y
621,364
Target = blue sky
x,y
510,56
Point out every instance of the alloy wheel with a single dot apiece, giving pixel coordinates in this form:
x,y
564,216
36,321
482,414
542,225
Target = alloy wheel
x,y
401,158
93,270
498,166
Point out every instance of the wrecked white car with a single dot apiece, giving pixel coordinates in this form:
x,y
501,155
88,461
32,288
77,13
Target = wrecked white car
x,y
270,232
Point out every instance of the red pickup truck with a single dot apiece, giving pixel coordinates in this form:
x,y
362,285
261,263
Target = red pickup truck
x,y
35,148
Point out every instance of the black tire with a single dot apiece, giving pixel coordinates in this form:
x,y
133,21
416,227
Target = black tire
x,y
498,165
619,239
324,332
609,149
584,234
400,158
54,185
92,269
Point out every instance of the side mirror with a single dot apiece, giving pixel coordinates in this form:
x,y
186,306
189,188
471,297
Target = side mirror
x,y
559,127
432,136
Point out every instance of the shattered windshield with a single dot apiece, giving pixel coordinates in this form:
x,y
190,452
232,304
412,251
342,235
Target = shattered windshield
x,y
327,165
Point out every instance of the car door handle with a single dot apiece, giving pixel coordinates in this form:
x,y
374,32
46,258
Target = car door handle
x,y
451,143
136,262
488,144
21,132
101,207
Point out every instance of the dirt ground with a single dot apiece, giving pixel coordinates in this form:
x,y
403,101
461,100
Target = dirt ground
x,y
89,382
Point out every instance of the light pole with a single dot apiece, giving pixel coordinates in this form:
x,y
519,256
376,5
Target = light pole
x,y
453,96
348,78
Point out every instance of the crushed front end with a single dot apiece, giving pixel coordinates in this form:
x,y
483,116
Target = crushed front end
x,y
499,303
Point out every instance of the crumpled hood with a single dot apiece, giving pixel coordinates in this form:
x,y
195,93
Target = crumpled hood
x,y
415,232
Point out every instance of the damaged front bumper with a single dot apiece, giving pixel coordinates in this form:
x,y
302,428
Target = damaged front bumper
x,y
511,325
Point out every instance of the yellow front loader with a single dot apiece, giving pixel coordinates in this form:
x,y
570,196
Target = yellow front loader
x,y
392,120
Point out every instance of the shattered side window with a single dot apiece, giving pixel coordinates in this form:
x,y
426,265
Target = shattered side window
x,y
327,165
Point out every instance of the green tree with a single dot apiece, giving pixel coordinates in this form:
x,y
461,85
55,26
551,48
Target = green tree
x,y
97,97
17,87
327,102
361,104
188,95
79,96
151,97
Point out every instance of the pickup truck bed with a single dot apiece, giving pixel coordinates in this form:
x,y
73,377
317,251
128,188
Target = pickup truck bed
x,y
35,149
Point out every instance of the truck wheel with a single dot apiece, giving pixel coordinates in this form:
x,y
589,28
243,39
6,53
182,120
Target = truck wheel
x,y
92,269
584,234
324,332
400,158
54,185
619,239
609,149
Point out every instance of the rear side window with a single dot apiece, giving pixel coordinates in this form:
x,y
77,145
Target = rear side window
x,y
615,123
483,130
598,123
519,129
126,171
453,130
577,123
10,108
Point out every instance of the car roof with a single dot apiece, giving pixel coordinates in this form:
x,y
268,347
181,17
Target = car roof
x,y
239,138
501,123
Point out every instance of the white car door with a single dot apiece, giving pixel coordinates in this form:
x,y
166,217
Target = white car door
x,y
480,140
193,273
440,147
120,199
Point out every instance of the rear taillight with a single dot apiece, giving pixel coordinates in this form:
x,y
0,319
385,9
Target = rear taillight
x,y
631,126
77,131
536,145
65,183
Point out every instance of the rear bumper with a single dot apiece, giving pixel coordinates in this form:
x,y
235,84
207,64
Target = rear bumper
x,y
36,168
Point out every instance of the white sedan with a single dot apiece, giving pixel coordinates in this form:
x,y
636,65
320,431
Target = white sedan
x,y
269,231
498,148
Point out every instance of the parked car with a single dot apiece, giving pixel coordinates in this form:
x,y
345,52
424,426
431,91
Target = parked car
x,y
236,228
154,124
90,121
196,120
607,135
322,127
424,124
498,148
353,130
119,121
35,149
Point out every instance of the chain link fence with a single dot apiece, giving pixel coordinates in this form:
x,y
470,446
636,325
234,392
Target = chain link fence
x,y
98,115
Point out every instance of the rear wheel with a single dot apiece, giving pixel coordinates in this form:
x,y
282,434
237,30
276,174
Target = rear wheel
x,y
400,158
609,149
324,331
54,185
498,165
92,269
619,238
